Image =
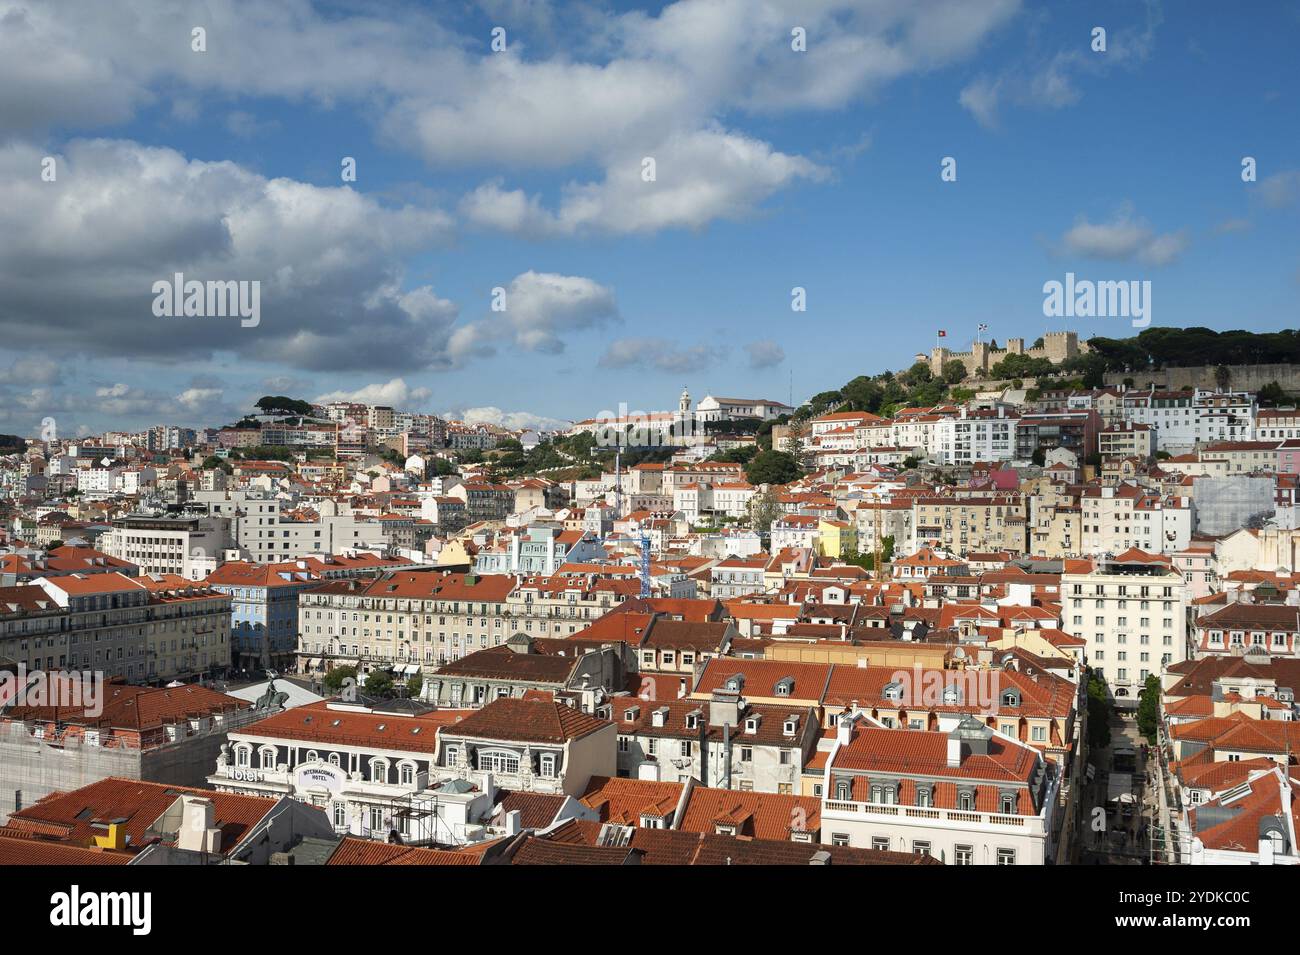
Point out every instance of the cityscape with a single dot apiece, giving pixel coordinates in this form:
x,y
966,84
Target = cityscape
x,y
531,432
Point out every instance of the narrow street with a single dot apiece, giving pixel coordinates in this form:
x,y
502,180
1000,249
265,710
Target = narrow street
x,y
1119,835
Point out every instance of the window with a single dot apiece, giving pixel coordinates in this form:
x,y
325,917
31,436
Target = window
x,y
498,761
340,815
839,838
963,855
880,843
920,847
376,818
407,773
547,764
1006,857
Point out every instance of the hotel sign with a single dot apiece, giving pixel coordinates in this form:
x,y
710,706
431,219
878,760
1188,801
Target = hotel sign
x,y
320,775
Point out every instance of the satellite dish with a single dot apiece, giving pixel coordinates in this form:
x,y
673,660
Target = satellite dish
x,y
105,461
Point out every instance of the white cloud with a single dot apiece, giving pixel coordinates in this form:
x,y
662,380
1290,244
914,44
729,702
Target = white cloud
x,y
1124,237
514,420
700,176
660,354
394,394
79,257
539,306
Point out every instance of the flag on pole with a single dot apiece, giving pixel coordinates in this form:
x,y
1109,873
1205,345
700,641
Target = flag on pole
x,y
983,327
943,333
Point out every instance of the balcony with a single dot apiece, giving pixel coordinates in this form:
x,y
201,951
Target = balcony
x,y
942,817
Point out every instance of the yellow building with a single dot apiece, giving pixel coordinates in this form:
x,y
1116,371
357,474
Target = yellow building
x,y
836,538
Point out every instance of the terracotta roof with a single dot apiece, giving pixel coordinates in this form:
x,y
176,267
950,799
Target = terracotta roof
x,y
528,721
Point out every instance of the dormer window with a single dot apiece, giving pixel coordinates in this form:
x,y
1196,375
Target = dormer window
x,y
952,695
693,720
1007,804
660,716
751,724
735,683
791,726
894,691
631,714
1011,698
784,686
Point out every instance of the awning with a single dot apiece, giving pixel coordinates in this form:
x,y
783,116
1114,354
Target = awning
x,y
313,663
346,663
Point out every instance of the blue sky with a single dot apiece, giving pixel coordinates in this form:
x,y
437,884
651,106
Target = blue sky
x,y
520,170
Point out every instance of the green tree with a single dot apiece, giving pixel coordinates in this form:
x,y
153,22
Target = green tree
x,y
280,404
1272,395
763,510
1148,714
414,685
379,683
772,467
336,679
1099,710
954,371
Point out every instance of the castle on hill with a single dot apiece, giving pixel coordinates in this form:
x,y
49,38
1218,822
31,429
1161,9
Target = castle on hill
x,y
1056,347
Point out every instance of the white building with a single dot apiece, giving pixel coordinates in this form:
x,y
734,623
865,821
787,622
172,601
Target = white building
x,y
1132,611
975,436
965,794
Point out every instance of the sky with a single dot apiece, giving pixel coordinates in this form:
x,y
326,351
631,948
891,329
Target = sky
x,y
506,253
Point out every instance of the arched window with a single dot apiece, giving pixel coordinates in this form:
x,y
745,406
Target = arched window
x,y
1008,804
379,770
966,801
334,759
406,773
268,757
243,756
498,761
843,790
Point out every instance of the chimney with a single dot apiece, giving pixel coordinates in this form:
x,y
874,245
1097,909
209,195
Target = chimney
x,y
954,750
820,857
198,832
844,730
514,822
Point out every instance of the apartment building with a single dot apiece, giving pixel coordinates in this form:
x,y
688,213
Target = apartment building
x,y
1183,419
356,763
724,742
264,610
964,794
189,547
1271,630
973,436
137,628
1127,441
964,524
1132,611
1126,516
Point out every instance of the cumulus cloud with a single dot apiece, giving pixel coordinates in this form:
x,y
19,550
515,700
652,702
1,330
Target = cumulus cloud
x,y
394,394
79,258
764,354
541,306
660,354
514,420
1124,237
699,176
622,85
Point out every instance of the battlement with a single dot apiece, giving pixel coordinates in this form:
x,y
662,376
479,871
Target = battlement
x,y
1056,348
